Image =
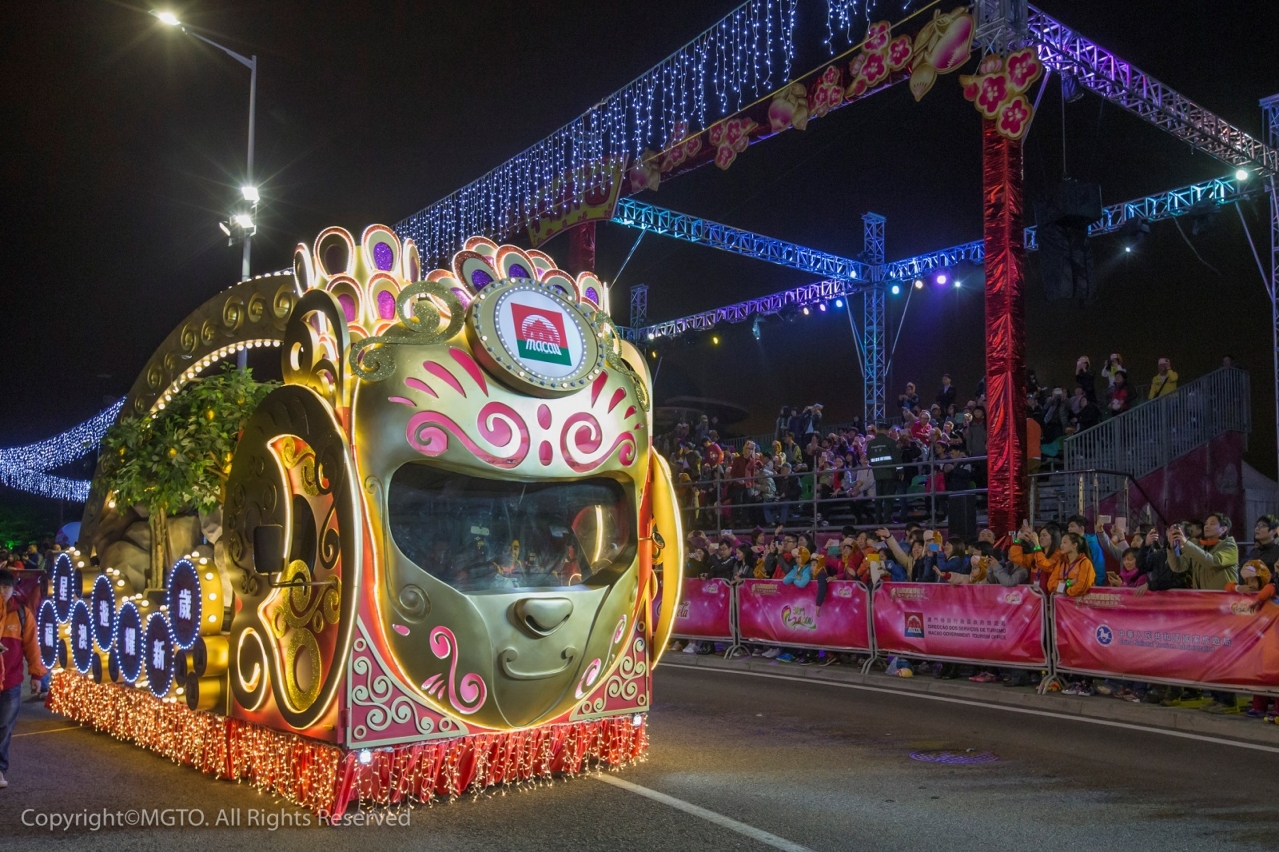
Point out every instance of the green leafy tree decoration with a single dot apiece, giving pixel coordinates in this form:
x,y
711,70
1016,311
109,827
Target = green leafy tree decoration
x,y
179,460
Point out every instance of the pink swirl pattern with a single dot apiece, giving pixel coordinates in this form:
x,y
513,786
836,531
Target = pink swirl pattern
x,y
583,430
588,678
465,696
498,424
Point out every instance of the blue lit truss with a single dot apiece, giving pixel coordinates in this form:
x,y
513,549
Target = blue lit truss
x,y
681,226
1153,208
1125,85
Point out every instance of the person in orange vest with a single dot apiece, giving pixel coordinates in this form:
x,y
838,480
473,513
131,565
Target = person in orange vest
x,y
17,639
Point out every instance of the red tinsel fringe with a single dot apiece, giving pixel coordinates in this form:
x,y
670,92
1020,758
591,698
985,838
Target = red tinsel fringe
x,y
327,779
1005,328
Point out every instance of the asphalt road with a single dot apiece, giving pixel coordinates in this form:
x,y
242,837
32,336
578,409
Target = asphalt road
x,y
806,765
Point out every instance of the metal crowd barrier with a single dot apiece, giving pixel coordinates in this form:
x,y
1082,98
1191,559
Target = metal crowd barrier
x,y
1208,640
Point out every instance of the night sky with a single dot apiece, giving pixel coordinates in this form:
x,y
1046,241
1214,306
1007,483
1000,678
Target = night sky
x,y
124,144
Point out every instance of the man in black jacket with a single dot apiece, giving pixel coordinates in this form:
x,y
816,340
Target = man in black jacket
x,y
946,396
884,456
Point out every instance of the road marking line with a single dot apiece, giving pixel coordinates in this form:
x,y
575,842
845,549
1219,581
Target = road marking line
x,y
1049,713
710,816
50,731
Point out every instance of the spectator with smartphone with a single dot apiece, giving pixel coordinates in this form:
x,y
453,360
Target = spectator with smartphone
x,y
896,564
1211,561
1040,554
1056,416
1084,378
1114,369
942,559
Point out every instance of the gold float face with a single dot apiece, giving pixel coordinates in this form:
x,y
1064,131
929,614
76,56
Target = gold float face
x,y
466,473
472,447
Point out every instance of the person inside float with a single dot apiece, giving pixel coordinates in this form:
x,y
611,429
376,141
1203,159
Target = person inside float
x,y
1256,581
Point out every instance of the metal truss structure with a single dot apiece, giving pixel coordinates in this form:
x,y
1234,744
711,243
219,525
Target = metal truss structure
x,y
639,305
874,323
657,220
878,274
1152,208
1125,85
796,297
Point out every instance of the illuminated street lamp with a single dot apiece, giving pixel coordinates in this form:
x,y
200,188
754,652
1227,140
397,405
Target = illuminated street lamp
x,y
241,224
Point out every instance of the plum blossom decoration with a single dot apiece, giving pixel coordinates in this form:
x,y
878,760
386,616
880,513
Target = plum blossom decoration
x,y
730,138
998,90
681,147
827,94
880,56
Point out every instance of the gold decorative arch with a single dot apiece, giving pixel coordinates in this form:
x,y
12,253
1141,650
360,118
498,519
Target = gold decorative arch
x,y
249,314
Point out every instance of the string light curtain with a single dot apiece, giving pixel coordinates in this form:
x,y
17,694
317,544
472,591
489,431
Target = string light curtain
x,y
744,56
26,468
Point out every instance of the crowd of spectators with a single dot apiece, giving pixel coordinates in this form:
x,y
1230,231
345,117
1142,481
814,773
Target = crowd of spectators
x,y
862,471
1068,560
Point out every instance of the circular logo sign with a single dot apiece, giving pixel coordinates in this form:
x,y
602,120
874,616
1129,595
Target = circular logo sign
x,y
157,655
183,597
63,586
1104,635
81,637
47,633
128,641
535,337
102,608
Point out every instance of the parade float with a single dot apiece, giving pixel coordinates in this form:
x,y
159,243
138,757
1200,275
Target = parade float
x,y
437,548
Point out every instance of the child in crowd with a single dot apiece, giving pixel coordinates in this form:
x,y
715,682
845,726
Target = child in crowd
x,y
801,572
1255,580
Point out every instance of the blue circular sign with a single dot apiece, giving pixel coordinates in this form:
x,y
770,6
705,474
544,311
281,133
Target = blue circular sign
x,y
62,586
81,637
1104,635
47,633
157,655
102,608
183,597
129,641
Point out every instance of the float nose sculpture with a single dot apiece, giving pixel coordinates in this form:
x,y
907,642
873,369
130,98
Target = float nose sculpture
x,y
543,616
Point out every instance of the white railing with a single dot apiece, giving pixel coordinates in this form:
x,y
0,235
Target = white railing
x,y
1150,436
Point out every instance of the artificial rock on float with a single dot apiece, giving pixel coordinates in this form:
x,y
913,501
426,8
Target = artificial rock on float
x,y
440,540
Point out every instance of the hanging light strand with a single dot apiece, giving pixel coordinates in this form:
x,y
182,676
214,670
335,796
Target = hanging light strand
x,y
725,68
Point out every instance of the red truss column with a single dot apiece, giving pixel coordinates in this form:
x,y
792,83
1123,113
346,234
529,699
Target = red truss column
x,y
1005,328
581,248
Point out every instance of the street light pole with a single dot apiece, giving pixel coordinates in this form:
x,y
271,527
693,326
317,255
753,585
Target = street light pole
x,y
249,190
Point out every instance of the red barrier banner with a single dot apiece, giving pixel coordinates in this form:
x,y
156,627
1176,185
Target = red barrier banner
x,y
704,610
773,612
1191,637
980,623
